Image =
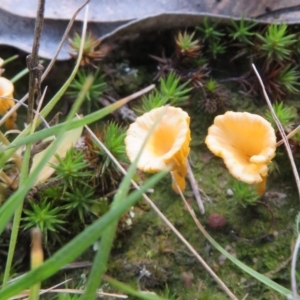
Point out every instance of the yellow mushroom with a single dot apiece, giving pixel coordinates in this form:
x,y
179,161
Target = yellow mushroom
x,y
7,90
247,144
168,145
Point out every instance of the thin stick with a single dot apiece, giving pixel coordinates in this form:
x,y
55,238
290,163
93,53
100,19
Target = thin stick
x,y
293,268
37,112
48,69
281,129
163,217
195,189
80,292
26,292
33,64
291,134
139,93
26,106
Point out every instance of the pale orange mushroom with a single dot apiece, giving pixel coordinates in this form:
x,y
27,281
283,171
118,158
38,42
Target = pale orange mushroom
x,y
247,144
168,145
7,90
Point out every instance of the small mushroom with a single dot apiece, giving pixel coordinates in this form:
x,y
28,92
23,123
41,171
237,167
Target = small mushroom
x,y
7,90
168,145
247,144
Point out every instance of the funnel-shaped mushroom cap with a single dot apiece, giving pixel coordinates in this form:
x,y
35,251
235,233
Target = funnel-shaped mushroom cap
x,y
7,90
168,144
246,142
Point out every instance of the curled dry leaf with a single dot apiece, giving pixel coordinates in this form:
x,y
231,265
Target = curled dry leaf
x,y
68,141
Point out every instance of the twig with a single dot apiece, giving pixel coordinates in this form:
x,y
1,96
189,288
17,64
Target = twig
x,y
34,123
41,187
48,69
35,69
291,134
195,189
139,93
37,112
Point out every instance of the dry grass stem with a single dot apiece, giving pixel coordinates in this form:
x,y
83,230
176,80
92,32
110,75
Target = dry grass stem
x,y
281,129
64,37
53,289
296,175
33,64
37,112
26,292
20,103
291,134
195,189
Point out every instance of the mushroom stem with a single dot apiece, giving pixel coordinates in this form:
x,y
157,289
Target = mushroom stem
x,y
7,102
178,182
261,186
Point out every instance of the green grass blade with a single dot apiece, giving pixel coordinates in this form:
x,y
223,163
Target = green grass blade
x,y
40,135
56,97
102,255
79,244
263,279
100,261
50,105
11,205
19,75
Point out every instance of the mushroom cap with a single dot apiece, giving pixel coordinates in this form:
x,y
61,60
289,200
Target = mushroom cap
x,y
6,87
7,90
168,145
246,142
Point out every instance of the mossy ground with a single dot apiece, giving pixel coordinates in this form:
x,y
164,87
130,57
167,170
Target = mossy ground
x,y
261,236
